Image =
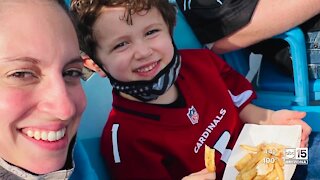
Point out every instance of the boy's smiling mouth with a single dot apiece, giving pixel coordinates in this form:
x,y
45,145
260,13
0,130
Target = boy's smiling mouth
x,y
147,68
45,135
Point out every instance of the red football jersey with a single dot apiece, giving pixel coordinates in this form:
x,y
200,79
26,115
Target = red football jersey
x,y
147,141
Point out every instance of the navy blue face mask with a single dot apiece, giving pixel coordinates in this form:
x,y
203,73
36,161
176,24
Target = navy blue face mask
x,y
150,89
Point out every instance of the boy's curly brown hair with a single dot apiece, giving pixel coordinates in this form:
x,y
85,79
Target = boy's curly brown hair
x,y
86,12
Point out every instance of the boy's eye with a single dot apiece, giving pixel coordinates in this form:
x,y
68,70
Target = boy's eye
x,y
152,32
122,44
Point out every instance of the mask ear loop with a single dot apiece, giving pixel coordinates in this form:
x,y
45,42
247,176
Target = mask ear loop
x,y
101,67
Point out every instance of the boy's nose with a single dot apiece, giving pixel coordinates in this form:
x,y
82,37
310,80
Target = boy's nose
x,y
142,50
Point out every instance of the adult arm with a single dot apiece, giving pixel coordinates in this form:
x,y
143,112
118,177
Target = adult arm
x,y
271,17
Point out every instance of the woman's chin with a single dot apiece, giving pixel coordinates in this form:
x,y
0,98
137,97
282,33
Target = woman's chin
x,y
44,168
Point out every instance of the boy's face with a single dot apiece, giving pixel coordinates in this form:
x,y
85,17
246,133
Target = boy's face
x,y
133,52
41,97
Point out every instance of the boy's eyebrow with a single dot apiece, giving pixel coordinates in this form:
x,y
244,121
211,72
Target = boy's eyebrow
x,y
117,37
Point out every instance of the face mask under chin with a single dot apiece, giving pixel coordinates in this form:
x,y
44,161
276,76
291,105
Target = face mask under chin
x,y
150,90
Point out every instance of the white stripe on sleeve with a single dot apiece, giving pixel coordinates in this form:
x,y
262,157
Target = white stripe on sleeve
x,y
238,100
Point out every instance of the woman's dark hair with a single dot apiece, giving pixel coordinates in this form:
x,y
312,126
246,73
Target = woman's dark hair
x,y
87,12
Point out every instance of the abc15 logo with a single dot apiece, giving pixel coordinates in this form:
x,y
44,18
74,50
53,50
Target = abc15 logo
x,y
296,153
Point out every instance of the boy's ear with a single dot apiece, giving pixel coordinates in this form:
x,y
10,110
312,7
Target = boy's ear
x,y
89,63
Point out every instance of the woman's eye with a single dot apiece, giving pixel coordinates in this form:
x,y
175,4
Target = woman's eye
x,y
73,73
22,75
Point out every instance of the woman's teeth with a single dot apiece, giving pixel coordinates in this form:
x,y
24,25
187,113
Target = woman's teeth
x,y
148,68
46,135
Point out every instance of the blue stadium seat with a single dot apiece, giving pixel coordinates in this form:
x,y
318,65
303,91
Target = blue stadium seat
x,y
68,2
183,35
99,101
273,84
305,88
83,166
275,89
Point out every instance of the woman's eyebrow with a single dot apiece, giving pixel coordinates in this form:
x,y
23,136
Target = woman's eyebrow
x,y
23,58
75,60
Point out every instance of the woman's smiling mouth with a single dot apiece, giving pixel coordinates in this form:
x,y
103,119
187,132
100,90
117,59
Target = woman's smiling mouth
x,y
45,135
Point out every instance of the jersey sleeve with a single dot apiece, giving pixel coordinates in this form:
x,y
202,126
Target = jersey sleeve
x,y
214,19
240,89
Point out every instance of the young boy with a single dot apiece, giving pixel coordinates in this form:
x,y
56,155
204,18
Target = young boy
x,y
167,104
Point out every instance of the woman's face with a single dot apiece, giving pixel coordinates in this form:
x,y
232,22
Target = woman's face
x,y
133,52
41,98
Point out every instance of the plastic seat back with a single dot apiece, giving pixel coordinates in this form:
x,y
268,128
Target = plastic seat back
x,y
272,84
296,41
99,101
183,35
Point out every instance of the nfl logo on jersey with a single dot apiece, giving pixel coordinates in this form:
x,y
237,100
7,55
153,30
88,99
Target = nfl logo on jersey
x,y
193,115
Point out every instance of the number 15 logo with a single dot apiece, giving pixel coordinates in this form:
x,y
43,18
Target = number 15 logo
x,y
302,153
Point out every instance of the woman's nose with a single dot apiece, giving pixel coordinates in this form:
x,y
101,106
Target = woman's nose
x,y
58,102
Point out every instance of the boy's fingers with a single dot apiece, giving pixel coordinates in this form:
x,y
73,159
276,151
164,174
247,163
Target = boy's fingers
x,y
298,114
203,174
304,143
305,127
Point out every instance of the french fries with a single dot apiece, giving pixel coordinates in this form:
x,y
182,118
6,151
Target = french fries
x,y
209,159
264,161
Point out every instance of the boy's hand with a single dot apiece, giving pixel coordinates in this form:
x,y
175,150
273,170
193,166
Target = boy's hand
x,y
203,174
288,117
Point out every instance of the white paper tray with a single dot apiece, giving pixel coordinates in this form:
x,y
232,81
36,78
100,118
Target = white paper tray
x,y
254,135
